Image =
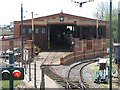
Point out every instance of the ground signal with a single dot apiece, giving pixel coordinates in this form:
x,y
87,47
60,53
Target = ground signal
x,y
12,73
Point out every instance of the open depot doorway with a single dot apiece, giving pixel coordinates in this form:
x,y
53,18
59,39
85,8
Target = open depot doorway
x,y
60,37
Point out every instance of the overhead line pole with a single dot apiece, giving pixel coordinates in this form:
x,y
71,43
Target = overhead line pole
x,y
22,44
110,54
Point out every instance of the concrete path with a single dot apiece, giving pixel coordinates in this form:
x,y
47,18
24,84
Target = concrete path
x,y
49,83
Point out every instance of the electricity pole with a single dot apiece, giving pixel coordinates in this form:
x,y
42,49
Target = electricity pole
x,y
22,44
110,54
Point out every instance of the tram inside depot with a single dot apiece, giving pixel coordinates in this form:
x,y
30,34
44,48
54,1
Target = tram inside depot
x,y
61,35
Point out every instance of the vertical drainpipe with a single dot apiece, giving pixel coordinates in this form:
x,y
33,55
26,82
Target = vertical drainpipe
x,y
75,27
48,34
75,30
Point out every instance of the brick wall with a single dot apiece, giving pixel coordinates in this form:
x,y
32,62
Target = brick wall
x,y
81,50
5,44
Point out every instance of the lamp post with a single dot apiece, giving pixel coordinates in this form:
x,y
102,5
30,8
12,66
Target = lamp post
x,y
33,32
32,35
110,54
97,26
32,49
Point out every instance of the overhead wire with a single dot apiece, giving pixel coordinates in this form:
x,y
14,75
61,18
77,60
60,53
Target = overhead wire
x,y
70,9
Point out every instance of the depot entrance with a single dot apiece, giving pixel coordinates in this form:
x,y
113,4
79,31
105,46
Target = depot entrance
x,y
60,37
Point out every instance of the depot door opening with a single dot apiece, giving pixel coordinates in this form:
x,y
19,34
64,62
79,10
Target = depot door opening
x,y
60,37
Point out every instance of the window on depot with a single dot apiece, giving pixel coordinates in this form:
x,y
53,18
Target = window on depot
x,y
36,30
29,30
43,30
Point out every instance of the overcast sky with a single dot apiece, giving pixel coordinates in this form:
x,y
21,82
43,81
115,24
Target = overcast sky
x,y
10,9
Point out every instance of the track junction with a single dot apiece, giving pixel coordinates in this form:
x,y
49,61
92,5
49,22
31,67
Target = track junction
x,y
68,76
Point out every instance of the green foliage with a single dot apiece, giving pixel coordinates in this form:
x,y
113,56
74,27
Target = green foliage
x,y
5,84
114,23
103,14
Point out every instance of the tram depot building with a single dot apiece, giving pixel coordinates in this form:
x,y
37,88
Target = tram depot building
x,y
63,31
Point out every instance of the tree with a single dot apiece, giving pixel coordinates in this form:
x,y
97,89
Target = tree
x,y
103,14
102,10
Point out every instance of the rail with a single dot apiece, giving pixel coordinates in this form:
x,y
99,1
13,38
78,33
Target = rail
x,y
65,82
80,84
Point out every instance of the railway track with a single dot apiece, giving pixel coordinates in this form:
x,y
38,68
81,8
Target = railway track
x,y
78,82
47,63
72,81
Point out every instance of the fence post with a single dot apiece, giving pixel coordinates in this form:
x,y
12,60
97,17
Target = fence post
x,y
35,75
29,71
42,84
